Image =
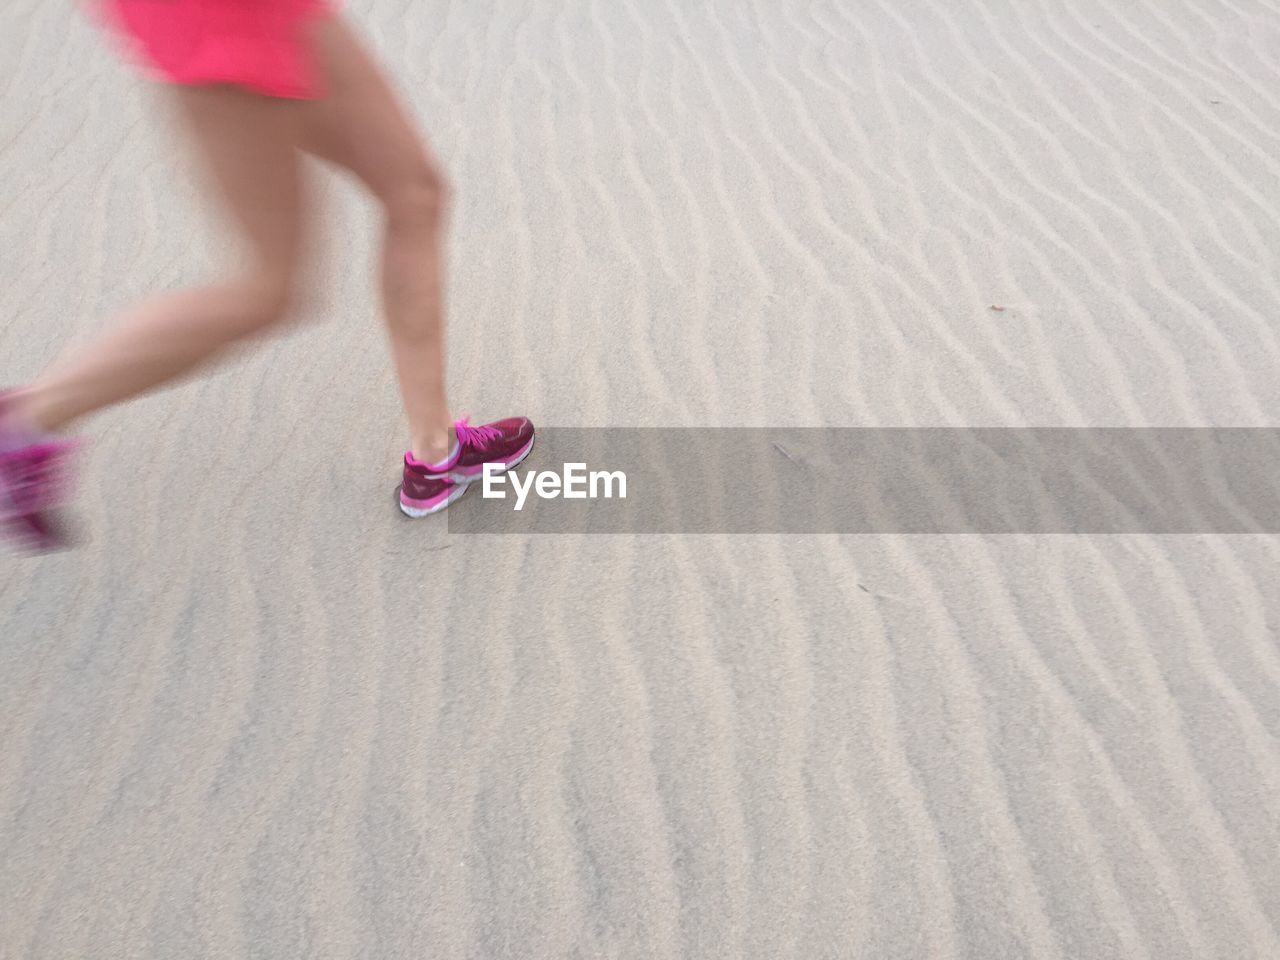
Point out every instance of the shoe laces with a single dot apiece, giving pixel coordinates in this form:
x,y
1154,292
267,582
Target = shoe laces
x,y
479,437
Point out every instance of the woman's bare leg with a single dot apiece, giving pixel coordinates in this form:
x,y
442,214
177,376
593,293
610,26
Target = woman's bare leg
x,y
361,126
250,148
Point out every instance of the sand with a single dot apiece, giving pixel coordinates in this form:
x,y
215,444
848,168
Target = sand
x,y
260,715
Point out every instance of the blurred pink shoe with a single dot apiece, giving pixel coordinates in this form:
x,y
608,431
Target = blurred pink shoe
x,y
429,488
34,481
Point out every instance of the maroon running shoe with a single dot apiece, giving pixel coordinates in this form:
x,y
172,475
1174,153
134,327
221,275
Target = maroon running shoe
x,y
34,482
429,488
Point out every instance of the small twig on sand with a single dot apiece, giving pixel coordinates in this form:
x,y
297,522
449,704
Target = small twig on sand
x,y
778,447
997,308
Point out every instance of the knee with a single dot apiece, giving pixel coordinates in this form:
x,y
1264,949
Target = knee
x,y
420,198
268,300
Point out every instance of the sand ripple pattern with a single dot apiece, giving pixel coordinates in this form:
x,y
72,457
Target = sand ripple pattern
x,y
260,716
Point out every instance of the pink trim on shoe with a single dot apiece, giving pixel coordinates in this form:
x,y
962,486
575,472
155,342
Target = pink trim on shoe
x,y
440,467
428,503
416,507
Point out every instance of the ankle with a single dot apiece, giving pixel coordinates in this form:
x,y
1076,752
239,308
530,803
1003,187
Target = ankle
x,y
434,446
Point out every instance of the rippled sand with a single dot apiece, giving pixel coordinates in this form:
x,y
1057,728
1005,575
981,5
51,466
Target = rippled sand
x,y
260,715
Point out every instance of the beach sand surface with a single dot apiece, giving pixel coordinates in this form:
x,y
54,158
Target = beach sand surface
x,y
259,714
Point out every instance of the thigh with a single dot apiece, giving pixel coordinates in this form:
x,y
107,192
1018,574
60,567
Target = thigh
x,y
360,123
248,146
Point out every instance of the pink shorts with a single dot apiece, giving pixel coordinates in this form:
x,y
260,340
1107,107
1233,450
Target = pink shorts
x,y
256,44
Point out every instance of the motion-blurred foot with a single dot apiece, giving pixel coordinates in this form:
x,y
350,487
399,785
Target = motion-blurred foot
x,y
35,473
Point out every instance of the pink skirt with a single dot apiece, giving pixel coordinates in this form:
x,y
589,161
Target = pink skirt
x,y
256,44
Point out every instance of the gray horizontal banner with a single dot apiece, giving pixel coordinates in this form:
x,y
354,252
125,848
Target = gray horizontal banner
x,y
885,480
